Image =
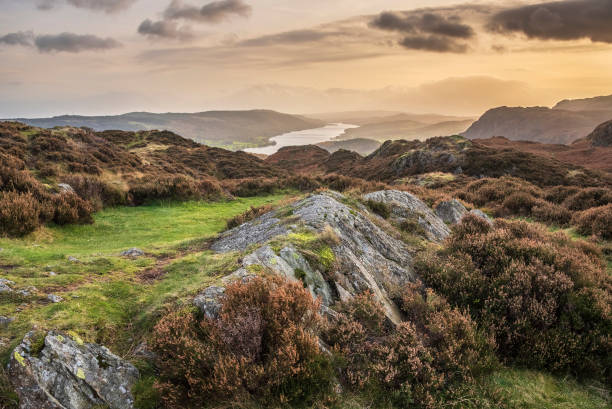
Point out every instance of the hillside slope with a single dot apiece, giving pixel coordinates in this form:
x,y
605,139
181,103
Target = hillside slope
x,y
405,129
231,129
536,124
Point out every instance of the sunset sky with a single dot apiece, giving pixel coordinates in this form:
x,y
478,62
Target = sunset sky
x,y
114,56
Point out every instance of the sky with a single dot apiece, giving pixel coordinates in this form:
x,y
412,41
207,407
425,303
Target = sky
x,y
104,57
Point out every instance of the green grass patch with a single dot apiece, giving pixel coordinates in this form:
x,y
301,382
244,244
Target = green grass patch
x,y
104,299
537,390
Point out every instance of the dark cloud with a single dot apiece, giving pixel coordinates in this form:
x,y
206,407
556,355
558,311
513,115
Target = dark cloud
x,y
164,29
435,43
289,37
560,20
108,6
426,30
214,12
73,43
428,22
22,38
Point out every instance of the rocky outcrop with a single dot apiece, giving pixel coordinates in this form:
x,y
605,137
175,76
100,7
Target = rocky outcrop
x,y
66,373
406,206
451,211
602,135
365,257
133,252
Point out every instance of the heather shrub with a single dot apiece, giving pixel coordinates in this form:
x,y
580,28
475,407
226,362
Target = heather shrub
x,y
380,208
150,188
19,213
597,221
545,299
414,364
248,215
251,187
262,347
96,191
69,208
588,198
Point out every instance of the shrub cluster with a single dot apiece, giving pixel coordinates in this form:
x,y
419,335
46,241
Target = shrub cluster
x,y
557,205
546,299
178,187
262,347
248,215
596,221
414,364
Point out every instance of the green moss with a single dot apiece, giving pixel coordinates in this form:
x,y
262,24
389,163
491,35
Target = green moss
x,y
37,343
327,257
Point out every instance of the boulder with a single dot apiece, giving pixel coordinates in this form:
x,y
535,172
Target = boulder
x,y
65,373
209,301
133,252
5,285
5,321
481,214
54,298
65,188
405,206
451,211
366,258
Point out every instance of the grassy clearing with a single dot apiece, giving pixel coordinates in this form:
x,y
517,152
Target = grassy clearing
x,y
104,298
536,390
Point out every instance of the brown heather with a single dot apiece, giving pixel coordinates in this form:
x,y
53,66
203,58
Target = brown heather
x,y
546,299
263,347
418,362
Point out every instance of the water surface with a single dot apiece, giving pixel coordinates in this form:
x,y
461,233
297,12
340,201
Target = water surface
x,y
306,137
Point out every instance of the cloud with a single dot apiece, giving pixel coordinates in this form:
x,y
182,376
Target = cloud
x,y
289,37
433,43
426,30
559,20
23,38
212,13
73,43
108,6
164,29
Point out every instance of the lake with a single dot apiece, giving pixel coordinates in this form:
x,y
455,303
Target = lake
x,y
306,137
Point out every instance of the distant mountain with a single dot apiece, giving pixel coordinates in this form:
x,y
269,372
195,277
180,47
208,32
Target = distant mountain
x,y
361,146
564,123
230,129
587,104
362,118
405,127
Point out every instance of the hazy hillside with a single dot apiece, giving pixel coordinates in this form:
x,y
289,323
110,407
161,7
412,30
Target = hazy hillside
x,y
230,129
567,121
537,124
405,129
361,146
369,117
603,103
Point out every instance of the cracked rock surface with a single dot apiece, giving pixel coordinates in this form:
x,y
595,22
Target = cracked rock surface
x,y
70,374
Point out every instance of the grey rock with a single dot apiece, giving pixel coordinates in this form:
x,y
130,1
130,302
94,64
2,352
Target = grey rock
x,y
5,321
366,257
451,211
480,213
133,252
65,187
405,205
54,298
209,301
69,374
256,231
52,273
5,285
73,259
